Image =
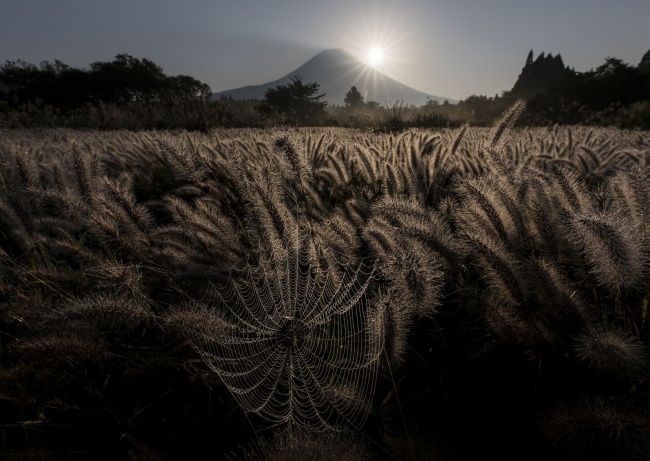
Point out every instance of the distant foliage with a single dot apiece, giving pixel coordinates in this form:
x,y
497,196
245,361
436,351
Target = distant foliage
x,y
124,80
296,103
126,93
608,95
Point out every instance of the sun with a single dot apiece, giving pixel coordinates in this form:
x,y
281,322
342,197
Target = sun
x,y
375,56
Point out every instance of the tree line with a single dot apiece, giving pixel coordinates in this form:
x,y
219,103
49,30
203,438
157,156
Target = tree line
x,y
615,93
135,93
124,80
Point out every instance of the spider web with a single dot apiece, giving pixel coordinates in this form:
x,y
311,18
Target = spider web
x,y
296,343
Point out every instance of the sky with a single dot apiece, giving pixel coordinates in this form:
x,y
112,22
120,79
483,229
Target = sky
x,y
449,48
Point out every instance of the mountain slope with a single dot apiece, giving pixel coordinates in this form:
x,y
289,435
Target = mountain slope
x,y
337,71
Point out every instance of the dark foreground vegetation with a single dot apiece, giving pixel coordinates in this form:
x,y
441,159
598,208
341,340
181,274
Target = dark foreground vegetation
x,y
135,94
461,294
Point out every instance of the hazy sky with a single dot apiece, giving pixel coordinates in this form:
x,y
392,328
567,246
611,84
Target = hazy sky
x,y
451,48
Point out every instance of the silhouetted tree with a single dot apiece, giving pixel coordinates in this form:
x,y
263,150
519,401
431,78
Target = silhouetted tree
x,y
644,65
127,79
353,98
482,110
612,82
188,87
529,59
55,84
538,74
297,102
123,80
593,96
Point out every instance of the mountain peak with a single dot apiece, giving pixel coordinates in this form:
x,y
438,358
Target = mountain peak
x,y
334,51
331,57
339,53
336,71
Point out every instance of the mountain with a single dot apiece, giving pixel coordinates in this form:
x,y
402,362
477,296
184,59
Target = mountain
x,y
337,71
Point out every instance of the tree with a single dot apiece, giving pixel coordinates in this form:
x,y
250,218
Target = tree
x,y
529,59
50,83
128,79
353,98
644,65
537,75
614,66
184,86
297,102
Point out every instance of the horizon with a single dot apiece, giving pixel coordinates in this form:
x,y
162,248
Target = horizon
x,y
448,49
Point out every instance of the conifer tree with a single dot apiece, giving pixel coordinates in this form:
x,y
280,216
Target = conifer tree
x,y
353,98
297,102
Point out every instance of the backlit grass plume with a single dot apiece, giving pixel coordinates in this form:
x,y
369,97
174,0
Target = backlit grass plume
x,y
414,274
612,351
598,425
294,444
157,281
608,241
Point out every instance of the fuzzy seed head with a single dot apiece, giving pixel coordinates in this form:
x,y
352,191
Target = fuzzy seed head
x,y
612,351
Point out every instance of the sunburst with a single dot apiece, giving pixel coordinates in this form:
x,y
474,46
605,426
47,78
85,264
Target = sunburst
x,y
375,56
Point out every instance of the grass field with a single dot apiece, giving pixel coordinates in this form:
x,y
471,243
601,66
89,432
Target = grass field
x,y
473,293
